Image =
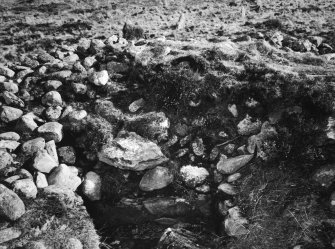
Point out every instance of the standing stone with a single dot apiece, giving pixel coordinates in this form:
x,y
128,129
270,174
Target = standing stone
x,y
156,178
43,162
131,152
51,131
11,206
9,114
92,186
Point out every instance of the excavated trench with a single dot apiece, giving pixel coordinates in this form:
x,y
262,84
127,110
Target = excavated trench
x,y
196,93
195,144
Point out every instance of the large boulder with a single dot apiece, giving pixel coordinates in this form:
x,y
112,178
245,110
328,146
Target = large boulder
x,y
131,152
11,206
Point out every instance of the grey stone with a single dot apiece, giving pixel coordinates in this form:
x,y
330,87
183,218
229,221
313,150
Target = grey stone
x,y
43,162
10,136
9,86
9,144
227,189
63,176
5,71
11,206
193,175
52,151
51,131
9,234
32,146
247,127
156,178
25,187
325,175
99,78
91,186
41,180
11,99
231,165
5,159
67,155
136,105
235,225
52,98
131,152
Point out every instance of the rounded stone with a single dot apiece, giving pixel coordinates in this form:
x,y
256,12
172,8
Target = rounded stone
x,y
193,175
51,131
156,178
9,114
11,206
52,98
92,186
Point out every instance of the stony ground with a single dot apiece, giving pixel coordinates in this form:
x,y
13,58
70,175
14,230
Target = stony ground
x,y
167,124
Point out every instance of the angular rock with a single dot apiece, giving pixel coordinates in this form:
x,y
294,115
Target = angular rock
x,y
136,105
27,123
5,159
9,234
180,239
198,147
9,86
32,146
67,155
99,78
5,71
193,175
11,206
12,99
247,127
43,162
91,186
52,85
156,178
131,152
9,144
10,136
63,176
52,98
233,110
235,224
51,131
51,149
231,165
79,88
41,180
25,187
64,195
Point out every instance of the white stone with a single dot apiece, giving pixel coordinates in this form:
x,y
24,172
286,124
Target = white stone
x,y
193,175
